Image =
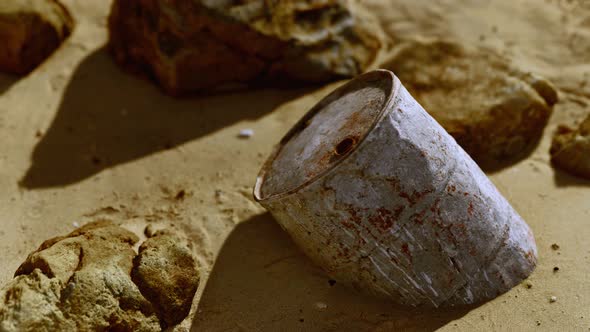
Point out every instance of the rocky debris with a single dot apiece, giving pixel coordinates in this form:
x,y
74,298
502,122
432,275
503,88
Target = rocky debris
x,y
30,30
83,281
495,112
192,45
165,272
570,149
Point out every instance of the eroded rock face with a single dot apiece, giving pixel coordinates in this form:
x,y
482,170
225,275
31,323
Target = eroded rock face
x,y
83,281
165,273
570,149
30,30
192,45
493,111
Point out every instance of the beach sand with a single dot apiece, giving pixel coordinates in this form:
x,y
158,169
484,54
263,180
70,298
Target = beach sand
x,y
82,140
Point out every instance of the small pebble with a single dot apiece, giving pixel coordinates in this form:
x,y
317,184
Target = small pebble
x,y
553,299
220,198
180,195
149,231
76,224
528,284
246,133
321,305
555,246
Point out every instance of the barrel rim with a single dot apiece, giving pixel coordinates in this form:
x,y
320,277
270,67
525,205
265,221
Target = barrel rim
x,y
381,74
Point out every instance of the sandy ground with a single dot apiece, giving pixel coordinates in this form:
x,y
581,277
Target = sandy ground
x,y
81,140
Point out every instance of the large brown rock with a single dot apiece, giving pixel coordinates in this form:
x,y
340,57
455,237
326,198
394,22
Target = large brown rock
x,y
570,149
192,45
494,111
30,30
83,281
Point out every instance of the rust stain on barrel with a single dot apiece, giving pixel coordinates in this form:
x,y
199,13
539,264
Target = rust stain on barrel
x,y
470,209
396,210
416,196
382,220
406,251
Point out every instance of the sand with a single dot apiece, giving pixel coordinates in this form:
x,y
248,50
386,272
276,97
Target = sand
x,y
83,140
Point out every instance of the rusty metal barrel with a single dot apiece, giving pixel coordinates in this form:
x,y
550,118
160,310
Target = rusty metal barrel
x,y
376,192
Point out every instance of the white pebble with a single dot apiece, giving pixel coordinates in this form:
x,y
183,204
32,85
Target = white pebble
x,y
76,224
321,305
553,299
246,133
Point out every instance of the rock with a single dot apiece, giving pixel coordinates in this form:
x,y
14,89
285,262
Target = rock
x,y
31,303
192,45
83,281
30,30
494,112
570,149
165,273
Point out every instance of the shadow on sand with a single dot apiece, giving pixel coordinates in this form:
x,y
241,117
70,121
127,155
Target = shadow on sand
x,y
108,117
563,179
261,282
6,81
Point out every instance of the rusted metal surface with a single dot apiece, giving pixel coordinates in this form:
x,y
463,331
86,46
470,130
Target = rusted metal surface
x,y
378,194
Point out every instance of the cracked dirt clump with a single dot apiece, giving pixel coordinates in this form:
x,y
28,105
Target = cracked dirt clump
x,y
189,45
83,281
494,111
570,149
30,30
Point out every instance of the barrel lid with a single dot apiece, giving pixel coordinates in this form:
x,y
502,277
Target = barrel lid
x,y
326,135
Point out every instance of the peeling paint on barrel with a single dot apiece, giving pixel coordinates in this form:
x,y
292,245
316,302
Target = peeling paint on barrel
x,y
400,210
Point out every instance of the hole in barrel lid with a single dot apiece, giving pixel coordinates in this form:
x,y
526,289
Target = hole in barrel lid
x,y
345,146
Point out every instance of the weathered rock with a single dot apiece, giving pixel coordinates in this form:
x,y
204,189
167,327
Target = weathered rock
x,y
494,112
30,30
165,273
191,45
31,303
570,149
83,281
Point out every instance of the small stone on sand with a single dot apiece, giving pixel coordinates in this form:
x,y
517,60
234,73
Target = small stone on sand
x,y
321,305
149,231
246,133
553,299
